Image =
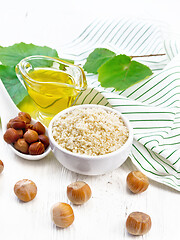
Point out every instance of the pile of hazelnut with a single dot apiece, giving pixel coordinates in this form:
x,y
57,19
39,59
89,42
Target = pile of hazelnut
x,y
62,213
137,223
27,138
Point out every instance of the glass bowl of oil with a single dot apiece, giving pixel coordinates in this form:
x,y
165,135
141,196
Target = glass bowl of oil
x,y
52,84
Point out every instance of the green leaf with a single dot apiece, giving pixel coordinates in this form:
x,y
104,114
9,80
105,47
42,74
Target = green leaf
x,y
98,57
15,89
12,55
121,72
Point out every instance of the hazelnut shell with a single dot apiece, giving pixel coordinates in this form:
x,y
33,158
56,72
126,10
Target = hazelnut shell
x,y
78,192
137,182
1,166
39,128
62,215
138,223
11,135
28,126
36,148
25,190
20,132
25,117
18,123
44,139
21,145
31,136
9,123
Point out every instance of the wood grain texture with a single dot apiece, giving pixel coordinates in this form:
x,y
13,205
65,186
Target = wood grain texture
x,y
102,217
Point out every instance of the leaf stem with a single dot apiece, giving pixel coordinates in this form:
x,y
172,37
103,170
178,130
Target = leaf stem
x,y
150,55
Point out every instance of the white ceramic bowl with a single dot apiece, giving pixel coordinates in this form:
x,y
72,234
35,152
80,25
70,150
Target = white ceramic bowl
x,y
91,165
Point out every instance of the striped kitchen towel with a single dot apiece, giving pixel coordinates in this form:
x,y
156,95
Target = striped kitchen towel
x,y
152,105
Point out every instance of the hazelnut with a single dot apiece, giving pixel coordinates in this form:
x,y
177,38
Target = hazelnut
x,y
36,148
28,126
44,139
62,214
9,123
25,117
137,182
138,223
20,132
21,145
39,128
31,136
78,192
1,166
25,190
18,123
11,135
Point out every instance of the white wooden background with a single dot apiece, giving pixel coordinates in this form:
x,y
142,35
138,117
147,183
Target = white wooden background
x,y
54,23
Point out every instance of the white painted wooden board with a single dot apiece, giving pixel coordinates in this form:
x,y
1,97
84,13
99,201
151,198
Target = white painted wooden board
x,y
103,217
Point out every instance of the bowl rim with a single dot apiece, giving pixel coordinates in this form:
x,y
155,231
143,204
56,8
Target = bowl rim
x,y
84,156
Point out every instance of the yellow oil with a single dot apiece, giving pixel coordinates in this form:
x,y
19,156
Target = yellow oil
x,y
51,91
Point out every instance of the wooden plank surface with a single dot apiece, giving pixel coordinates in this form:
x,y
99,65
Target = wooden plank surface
x,y
103,217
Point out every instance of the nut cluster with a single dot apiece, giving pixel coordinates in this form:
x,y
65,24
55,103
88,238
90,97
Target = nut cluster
x,y
62,213
138,223
26,138
79,192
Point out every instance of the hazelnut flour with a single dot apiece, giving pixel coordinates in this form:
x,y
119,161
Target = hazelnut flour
x,y
90,131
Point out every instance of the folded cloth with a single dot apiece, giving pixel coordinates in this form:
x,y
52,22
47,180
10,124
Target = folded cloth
x,y
152,105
